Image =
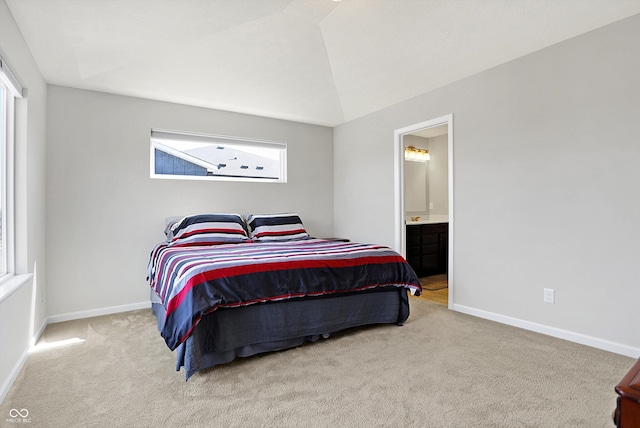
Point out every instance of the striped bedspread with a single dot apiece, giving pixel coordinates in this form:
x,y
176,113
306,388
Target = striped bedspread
x,y
193,281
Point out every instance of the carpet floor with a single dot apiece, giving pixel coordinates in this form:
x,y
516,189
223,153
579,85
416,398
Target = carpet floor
x,y
441,369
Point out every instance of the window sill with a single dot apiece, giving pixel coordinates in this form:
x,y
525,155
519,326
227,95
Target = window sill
x,y
11,283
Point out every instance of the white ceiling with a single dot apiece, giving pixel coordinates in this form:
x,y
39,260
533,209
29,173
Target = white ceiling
x,y
314,61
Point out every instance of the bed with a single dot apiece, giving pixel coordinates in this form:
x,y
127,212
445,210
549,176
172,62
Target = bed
x,y
226,286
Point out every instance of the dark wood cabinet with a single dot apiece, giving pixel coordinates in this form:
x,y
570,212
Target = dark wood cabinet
x,y
627,413
428,248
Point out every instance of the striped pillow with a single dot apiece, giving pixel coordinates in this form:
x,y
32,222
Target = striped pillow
x,y
207,229
276,227
169,223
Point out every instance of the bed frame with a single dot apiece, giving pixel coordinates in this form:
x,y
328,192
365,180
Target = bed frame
x,y
227,333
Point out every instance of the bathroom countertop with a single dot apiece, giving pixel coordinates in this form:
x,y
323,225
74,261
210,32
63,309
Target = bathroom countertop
x,y
428,220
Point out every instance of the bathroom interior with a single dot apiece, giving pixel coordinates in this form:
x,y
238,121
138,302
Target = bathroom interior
x,y
427,209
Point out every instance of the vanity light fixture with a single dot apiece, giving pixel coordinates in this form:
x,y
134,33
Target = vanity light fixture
x,y
417,155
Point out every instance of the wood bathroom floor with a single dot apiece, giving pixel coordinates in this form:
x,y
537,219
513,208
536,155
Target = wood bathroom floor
x,y
440,295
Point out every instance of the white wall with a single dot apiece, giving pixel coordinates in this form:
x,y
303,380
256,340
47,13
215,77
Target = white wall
x,y
105,214
25,311
546,179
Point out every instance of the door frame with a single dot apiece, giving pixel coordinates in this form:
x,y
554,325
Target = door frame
x,y
399,188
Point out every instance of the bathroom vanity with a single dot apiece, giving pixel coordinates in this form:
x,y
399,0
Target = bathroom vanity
x,y
427,247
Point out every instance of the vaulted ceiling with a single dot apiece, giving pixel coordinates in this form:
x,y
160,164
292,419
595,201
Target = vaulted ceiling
x,y
313,61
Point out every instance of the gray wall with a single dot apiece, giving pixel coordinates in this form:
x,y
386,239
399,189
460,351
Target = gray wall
x,y
438,175
546,178
104,213
23,313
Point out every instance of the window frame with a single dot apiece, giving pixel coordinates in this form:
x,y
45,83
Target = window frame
x,y
11,92
5,120
157,136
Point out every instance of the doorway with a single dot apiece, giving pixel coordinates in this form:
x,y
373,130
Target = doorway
x,y
401,136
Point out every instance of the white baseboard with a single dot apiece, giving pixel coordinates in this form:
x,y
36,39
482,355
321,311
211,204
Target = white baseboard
x,y
594,342
37,335
6,386
97,312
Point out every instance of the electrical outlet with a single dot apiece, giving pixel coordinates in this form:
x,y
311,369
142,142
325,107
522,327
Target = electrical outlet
x,y
430,205
549,295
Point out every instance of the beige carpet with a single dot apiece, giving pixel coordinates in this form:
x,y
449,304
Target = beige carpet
x,y
441,369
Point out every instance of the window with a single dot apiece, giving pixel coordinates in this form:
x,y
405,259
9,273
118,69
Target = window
x,y
3,192
181,155
10,89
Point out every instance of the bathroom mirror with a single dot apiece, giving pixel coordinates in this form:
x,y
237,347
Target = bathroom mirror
x,y
426,183
416,185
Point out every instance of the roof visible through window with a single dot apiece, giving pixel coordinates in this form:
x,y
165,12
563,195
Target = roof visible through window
x,y
201,156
